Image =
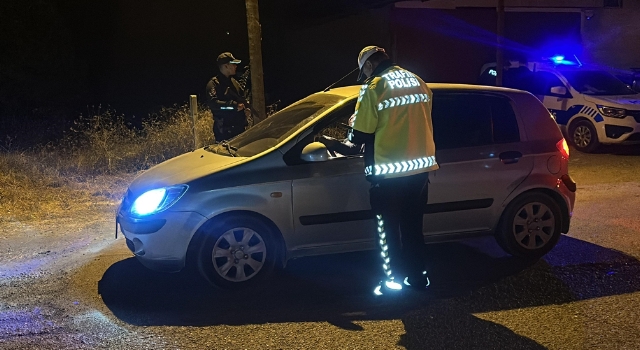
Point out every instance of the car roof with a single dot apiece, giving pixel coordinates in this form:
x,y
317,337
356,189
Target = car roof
x,y
537,64
348,91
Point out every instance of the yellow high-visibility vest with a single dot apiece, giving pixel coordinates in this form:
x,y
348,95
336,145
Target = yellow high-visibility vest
x,y
395,106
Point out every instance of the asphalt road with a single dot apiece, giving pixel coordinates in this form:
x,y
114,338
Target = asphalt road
x,y
86,291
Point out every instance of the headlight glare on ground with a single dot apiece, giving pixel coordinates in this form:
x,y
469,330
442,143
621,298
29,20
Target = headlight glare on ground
x,y
157,200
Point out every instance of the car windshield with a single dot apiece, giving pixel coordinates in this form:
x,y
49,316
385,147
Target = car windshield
x,y
277,127
599,83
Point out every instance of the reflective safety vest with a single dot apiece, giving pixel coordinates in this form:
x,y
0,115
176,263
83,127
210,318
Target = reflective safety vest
x,y
395,106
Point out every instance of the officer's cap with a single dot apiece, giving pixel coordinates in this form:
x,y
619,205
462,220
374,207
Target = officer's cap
x,y
227,57
364,56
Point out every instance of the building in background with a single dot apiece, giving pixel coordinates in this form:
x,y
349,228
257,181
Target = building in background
x,y
450,40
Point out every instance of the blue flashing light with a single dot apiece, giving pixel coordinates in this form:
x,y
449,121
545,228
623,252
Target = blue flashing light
x,y
493,72
560,60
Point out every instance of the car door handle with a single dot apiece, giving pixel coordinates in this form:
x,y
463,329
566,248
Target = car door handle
x,y
510,157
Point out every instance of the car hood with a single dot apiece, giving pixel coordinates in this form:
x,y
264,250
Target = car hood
x,y
182,169
623,101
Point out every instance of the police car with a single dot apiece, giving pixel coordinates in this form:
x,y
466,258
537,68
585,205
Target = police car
x,y
590,105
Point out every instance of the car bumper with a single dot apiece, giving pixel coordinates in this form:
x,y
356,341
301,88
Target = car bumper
x,y
566,187
620,131
160,242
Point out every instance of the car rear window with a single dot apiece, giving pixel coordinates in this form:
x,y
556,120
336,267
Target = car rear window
x,y
472,119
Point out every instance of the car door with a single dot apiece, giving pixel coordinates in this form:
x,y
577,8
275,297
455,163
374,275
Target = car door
x,y
477,147
557,104
330,198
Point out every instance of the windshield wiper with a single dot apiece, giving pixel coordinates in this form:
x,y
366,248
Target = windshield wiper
x,y
232,150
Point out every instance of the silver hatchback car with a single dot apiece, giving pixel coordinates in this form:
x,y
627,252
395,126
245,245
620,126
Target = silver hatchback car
x,y
237,210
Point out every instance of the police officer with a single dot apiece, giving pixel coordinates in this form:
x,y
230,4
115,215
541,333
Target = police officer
x,y
393,120
224,97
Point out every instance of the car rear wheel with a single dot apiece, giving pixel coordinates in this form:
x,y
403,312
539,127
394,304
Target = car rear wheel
x,y
584,137
237,253
530,226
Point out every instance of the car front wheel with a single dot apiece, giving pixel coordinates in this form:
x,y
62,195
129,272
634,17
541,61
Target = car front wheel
x,y
530,226
237,253
584,137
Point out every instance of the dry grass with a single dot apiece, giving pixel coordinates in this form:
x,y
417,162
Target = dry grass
x,y
88,171
105,144
30,191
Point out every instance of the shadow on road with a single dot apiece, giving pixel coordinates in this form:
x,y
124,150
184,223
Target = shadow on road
x,y
466,279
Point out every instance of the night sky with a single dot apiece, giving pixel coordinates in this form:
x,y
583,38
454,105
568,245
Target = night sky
x,y
60,57
63,58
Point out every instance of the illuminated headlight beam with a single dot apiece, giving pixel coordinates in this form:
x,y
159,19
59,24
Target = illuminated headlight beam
x,y
157,200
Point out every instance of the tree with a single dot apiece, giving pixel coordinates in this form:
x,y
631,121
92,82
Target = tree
x,y
255,57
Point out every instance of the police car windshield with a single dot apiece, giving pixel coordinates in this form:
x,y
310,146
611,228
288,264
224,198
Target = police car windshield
x,y
597,83
282,124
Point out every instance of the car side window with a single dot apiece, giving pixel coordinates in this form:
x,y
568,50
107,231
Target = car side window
x,y
335,133
468,120
333,126
543,82
505,124
461,120
337,129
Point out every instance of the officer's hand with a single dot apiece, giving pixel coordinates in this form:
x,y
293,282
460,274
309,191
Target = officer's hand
x,y
352,120
240,106
247,112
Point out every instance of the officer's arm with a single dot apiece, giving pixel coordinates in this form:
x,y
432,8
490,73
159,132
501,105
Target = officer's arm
x,y
214,102
365,118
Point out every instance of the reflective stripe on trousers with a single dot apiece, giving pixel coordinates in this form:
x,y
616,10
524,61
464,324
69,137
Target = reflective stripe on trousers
x,y
386,266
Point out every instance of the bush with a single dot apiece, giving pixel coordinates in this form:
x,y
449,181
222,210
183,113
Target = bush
x,y
96,159
104,143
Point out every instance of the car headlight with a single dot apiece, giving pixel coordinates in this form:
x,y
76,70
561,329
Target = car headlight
x,y
613,112
157,200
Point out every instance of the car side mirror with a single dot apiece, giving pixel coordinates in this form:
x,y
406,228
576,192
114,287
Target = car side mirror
x,y
559,90
315,152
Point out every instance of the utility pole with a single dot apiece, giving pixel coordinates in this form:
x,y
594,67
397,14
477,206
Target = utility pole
x,y
499,49
255,57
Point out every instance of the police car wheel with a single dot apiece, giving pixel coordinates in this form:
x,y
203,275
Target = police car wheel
x,y
584,137
239,253
530,226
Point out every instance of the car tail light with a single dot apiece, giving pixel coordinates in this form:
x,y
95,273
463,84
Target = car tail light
x,y
563,147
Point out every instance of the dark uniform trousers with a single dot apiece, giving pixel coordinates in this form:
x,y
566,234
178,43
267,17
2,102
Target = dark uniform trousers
x,y
227,126
400,203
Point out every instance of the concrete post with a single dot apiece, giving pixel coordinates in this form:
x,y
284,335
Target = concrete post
x,y
193,104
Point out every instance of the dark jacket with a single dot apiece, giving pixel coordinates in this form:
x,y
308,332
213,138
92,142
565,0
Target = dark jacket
x,y
223,95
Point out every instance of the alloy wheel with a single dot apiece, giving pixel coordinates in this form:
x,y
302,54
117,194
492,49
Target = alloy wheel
x,y
534,225
582,136
239,254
